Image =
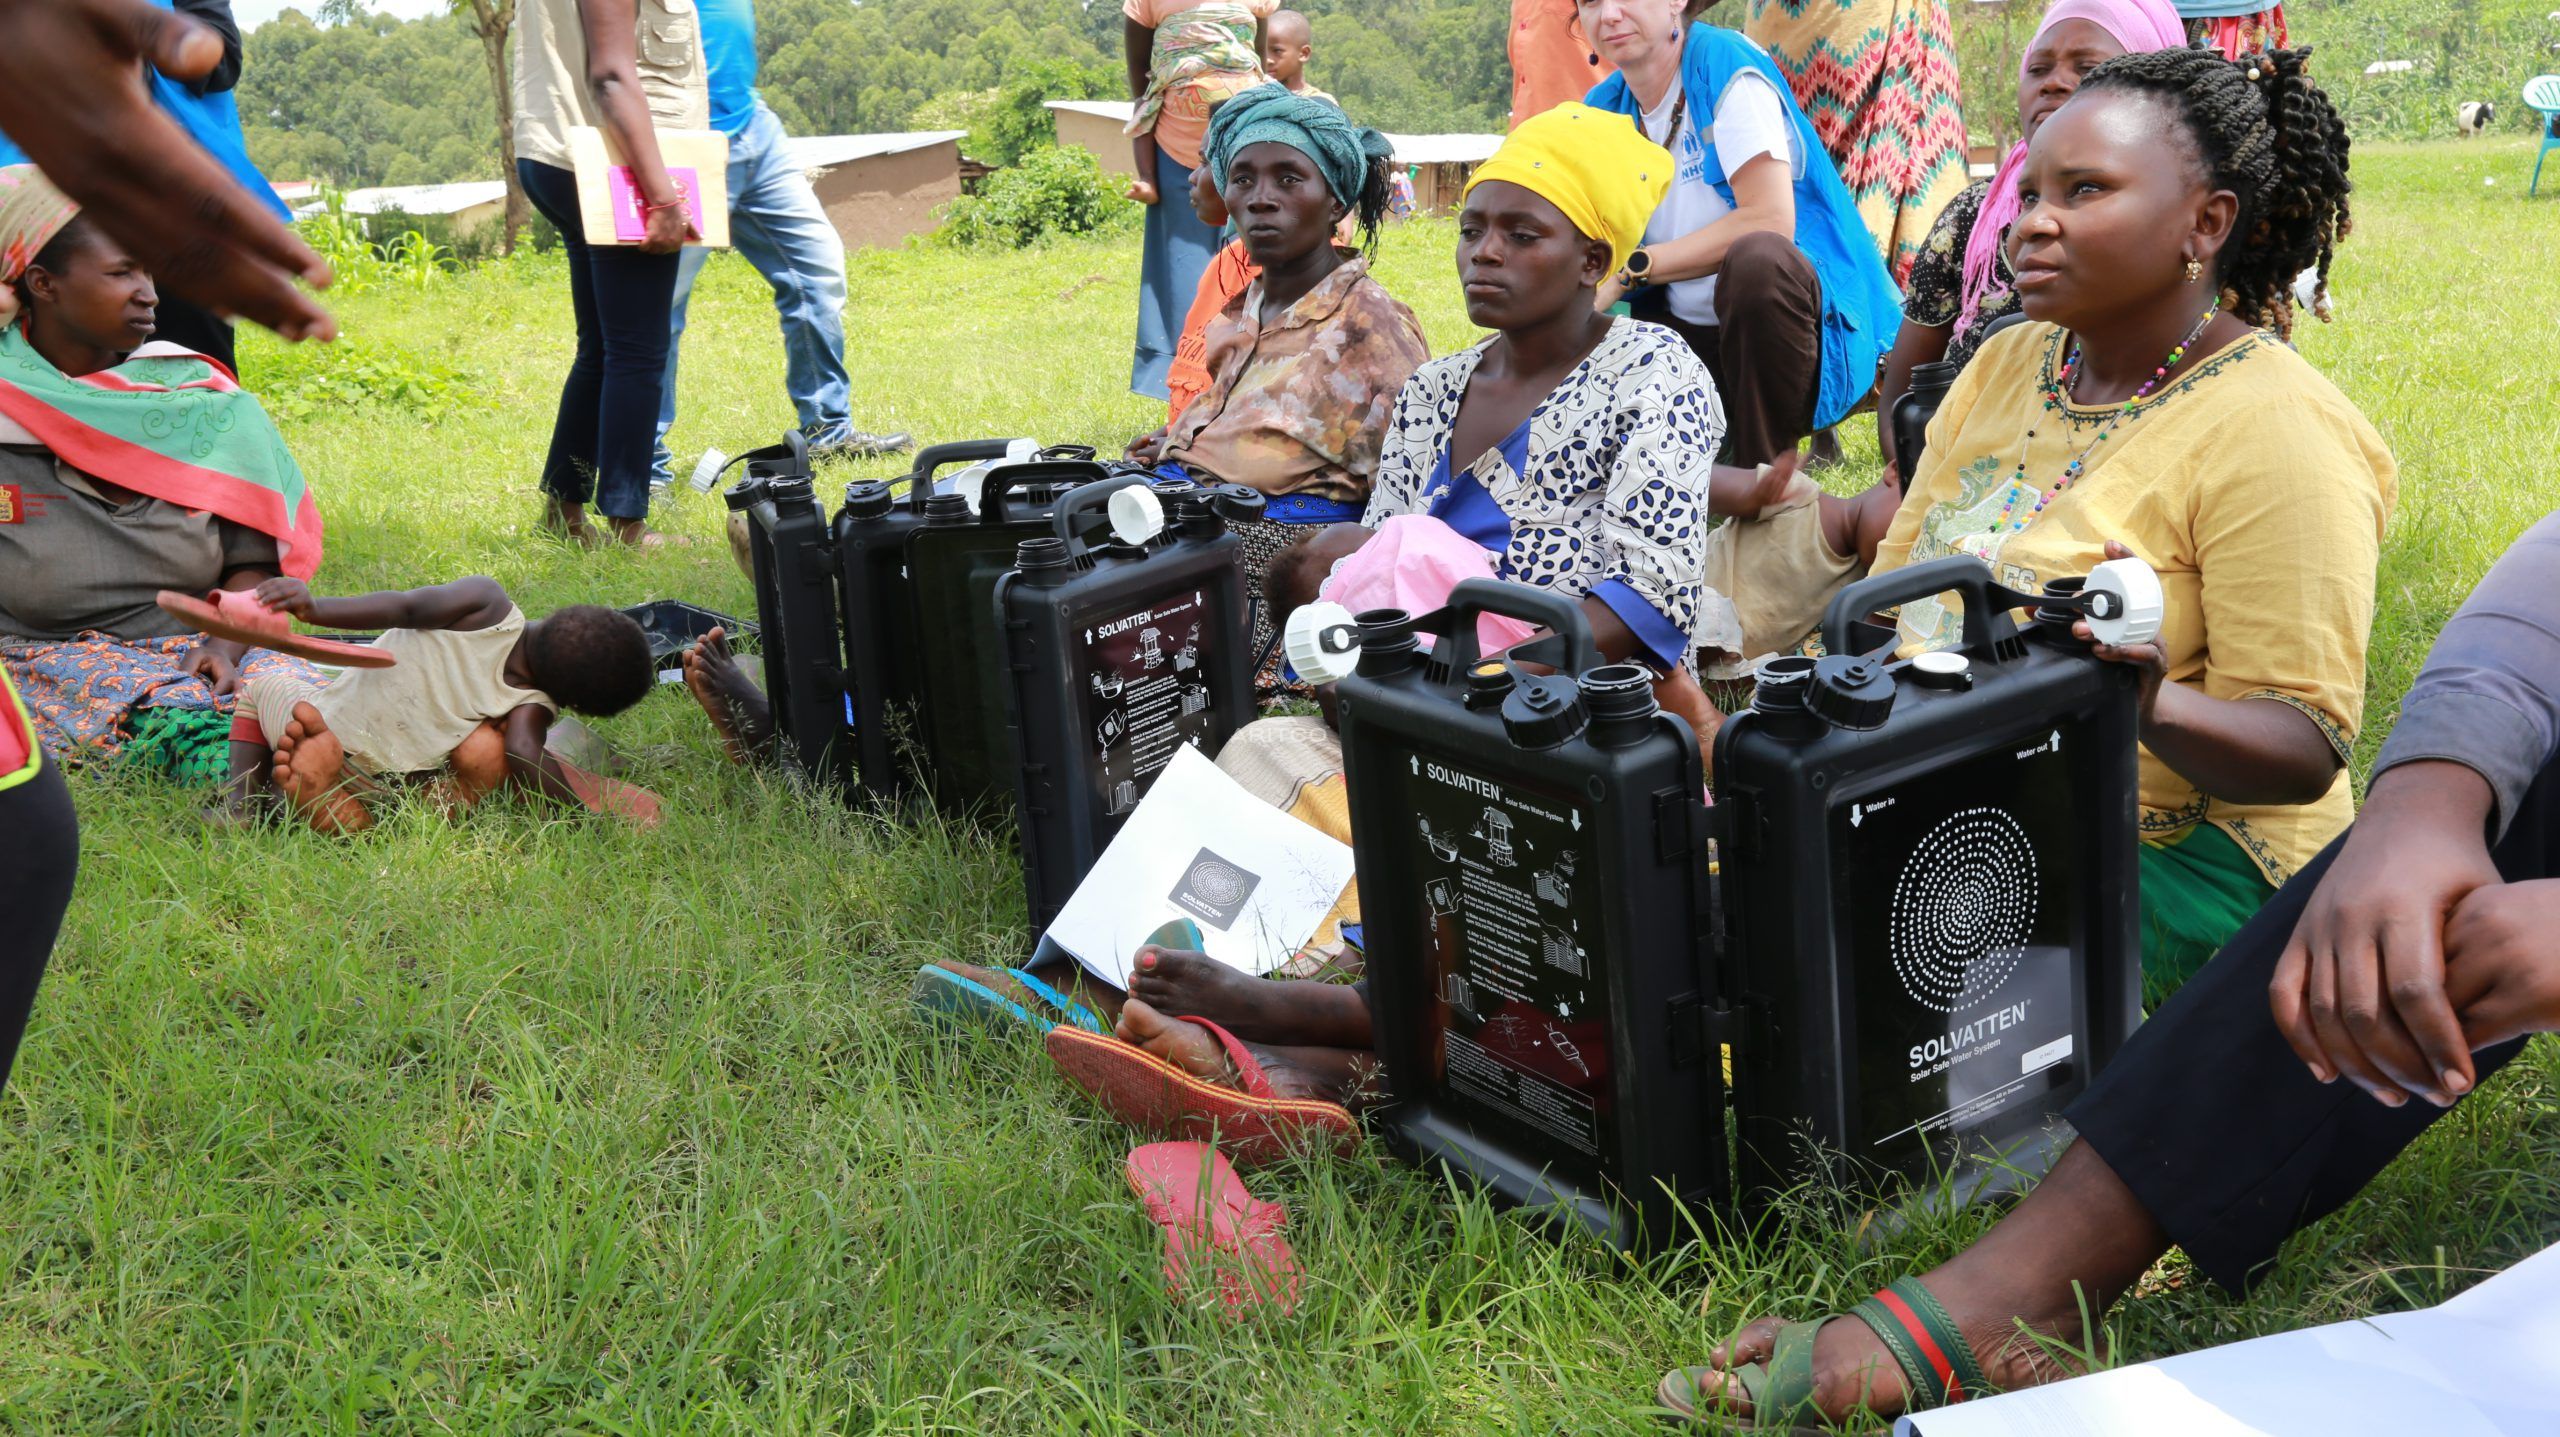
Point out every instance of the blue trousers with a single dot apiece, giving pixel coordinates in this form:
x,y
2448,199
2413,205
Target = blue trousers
x,y
776,223
1178,252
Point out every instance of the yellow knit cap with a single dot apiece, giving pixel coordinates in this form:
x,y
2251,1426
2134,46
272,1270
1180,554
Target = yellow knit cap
x,y
1593,165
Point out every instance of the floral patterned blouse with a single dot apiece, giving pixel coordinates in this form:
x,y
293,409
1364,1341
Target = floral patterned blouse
x,y
1614,486
1935,294
1297,401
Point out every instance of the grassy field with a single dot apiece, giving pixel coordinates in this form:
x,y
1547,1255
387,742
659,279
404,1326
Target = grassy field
x,y
537,1125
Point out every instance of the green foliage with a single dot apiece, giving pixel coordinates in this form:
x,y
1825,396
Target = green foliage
x,y
374,101
303,381
1052,190
1016,120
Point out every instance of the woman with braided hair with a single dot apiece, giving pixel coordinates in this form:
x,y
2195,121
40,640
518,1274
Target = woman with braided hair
x,y
2149,406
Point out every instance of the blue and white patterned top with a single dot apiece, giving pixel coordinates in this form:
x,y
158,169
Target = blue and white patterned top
x,y
1607,497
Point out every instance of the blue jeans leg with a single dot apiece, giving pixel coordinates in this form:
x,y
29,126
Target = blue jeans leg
x,y
689,265
601,440
777,224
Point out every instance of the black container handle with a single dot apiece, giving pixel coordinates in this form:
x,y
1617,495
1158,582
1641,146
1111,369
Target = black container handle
x,y
1543,607
1986,603
1083,501
934,456
1005,478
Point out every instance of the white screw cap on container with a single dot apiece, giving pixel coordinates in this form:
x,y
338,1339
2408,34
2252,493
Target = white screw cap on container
x,y
1137,515
2134,615
1322,642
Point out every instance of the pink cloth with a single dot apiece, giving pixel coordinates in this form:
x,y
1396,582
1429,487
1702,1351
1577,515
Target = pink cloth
x,y
1412,564
2137,25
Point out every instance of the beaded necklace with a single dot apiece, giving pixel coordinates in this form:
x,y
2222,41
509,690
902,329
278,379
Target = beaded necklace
x,y
2053,400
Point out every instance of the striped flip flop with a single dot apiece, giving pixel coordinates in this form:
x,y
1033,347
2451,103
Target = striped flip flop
x,y
947,997
1928,1348
1252,1124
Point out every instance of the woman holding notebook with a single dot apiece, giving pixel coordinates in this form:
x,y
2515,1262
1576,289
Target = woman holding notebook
x,y
628,68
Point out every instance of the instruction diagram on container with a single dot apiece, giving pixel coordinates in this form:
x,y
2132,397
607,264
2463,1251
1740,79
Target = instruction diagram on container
x,y
1507,930
1146,691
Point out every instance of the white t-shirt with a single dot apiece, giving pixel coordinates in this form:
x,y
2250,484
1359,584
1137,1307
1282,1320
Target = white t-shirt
x,y
1749,122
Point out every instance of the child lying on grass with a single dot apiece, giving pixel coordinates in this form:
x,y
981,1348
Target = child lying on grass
x,y
467,706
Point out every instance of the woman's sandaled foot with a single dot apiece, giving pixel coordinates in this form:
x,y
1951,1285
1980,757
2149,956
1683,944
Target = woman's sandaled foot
x,y
311,773
636,534
739,711
1851,1371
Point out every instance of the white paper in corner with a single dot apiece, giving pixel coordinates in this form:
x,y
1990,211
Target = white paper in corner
x,y
2478,1366
1256,881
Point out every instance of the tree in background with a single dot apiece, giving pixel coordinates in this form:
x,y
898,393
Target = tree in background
x,y
491,22
372,101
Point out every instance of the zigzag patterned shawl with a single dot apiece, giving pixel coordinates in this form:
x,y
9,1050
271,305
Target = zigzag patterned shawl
x,y
1878,80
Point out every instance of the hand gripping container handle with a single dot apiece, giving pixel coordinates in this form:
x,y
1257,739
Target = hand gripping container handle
x,y
1543,607
935,456
1986,604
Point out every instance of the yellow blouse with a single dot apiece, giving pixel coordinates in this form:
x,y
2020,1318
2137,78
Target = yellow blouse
x,y
2251,484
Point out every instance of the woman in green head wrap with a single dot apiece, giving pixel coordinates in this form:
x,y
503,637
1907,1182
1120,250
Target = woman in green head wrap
x,y
1304,366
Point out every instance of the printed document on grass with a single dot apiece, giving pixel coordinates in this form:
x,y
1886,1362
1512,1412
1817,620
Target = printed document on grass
x,y
1255,882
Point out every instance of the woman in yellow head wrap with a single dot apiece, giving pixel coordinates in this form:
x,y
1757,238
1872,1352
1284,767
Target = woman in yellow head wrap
x,y
1578,447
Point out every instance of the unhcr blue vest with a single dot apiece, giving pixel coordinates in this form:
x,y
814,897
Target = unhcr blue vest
x,y
213,121
1861,309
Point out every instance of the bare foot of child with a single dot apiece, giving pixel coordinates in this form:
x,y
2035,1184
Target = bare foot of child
x,y
739,711
1143,191
1196,1050
311,772
1259,1010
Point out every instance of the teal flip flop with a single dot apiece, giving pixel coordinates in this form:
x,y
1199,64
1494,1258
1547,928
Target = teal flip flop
x,y
943,996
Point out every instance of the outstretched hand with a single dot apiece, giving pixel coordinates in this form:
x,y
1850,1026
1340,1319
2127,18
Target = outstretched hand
x,y
287,596
72,96
2362,987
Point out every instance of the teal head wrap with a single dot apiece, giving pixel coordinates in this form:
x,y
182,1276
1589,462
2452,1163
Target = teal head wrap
x,y
1341,150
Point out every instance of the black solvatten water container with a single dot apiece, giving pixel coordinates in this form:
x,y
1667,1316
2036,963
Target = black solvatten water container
x,y
953,562
876,611
1928,875
796,608
1120,654
1533,880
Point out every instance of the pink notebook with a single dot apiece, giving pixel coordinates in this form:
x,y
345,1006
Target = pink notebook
x,y
629,226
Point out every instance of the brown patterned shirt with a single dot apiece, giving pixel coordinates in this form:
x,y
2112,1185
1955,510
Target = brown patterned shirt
x,y
1300,405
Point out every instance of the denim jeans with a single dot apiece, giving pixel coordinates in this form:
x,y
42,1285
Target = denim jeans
x,y
776,223
600,441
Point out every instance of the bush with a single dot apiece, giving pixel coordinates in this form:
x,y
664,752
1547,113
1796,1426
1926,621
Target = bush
x,y
1053,191
296,381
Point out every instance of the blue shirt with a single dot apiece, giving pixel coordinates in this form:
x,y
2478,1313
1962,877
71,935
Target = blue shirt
x,y
212,120
1466,506
729,48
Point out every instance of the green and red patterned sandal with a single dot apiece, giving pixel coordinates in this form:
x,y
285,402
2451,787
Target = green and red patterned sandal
x,y
1936,1363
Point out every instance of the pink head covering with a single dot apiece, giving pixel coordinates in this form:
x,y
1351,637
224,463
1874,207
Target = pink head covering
x,y
2137,25
1412,564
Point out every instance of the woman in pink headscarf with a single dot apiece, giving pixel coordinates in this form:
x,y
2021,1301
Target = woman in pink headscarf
x,y
1959,285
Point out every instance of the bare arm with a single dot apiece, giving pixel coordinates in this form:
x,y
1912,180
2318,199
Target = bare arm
x,y
613,75
473,603
1764,198
1138,52
530,766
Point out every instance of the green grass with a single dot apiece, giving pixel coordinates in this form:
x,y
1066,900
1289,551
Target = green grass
x,y
536,1125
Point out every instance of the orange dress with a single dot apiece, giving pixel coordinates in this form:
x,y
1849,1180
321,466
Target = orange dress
x,y
1551,61
1228,274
